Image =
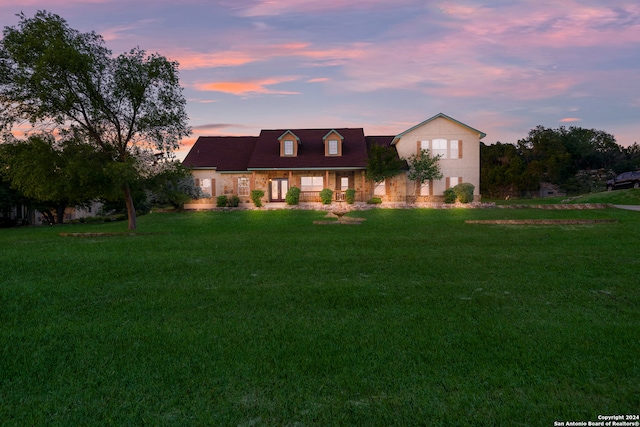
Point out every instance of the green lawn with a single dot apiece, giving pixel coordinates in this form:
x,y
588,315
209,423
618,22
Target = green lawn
x,y
263,318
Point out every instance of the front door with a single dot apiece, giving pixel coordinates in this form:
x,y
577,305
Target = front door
x,y
279,188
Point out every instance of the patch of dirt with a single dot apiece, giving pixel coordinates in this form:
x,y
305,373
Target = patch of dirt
x,y
341,219
132,233
542,221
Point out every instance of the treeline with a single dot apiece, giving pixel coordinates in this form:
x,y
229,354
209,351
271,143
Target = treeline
x,y
574,159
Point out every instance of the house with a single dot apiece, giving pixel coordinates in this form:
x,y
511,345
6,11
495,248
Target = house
x,y
335,158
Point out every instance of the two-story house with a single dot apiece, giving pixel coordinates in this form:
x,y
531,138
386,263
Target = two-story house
x,y
313,159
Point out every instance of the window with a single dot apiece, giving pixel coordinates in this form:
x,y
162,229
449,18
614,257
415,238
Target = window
x,y
453,149
311,183
344,183
424,189
288,147
381,189
452,181
243,186
439,148
333,147
205,186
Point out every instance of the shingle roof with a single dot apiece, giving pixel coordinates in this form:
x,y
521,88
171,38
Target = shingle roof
x,y
224,153
311,151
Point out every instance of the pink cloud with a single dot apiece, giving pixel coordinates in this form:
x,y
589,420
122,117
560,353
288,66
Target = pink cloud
x,y
570,120
248,87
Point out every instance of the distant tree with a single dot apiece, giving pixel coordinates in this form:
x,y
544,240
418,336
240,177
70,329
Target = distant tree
x,y
503,172
383,162
545,155
422,168
56,77
52,174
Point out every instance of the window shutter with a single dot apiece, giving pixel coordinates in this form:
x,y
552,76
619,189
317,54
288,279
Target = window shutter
x,y
418,147
460,149
448,183
431,187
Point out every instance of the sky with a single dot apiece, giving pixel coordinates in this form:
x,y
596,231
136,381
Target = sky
x,y
503,67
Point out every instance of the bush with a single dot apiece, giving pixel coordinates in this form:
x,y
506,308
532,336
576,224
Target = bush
x,y
464,192
234,201
374,201
293,196
350,195
256,195
326,195
221,202
449,195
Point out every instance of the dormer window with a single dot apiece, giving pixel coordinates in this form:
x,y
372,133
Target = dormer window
x,y
288,147
333,147
289,143
333,143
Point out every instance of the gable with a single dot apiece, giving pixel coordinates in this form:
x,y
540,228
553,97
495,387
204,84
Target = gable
x,y
441,123
441,135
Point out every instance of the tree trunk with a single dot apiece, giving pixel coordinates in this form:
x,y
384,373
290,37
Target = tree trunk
x,y
131,209
60,213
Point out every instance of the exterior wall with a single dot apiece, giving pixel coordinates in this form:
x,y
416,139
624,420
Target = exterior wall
x,y
467,167
208,202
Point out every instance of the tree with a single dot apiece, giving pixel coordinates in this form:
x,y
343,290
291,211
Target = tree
x,y
56,77
383,162
53,174
423,168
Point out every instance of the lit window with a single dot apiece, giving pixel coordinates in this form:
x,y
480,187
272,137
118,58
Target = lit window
x,y
439,148
288,147
381,189
424,189
344,183
243,186
311,183
333,147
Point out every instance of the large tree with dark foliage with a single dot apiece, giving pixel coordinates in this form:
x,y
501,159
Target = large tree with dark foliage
x,y
55,77
573,158
54,174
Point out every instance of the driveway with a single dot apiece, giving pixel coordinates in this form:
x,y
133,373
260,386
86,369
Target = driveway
x,y
628,207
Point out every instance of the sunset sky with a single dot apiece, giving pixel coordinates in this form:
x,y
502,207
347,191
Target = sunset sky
x,y
500,66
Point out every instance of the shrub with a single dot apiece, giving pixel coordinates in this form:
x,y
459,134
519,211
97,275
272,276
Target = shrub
x,y
256,195
234,201
326,195
350,195
464,192
221,202
374,201
449,195
293,196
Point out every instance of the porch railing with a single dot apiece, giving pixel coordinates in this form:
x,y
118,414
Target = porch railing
x,y
338,196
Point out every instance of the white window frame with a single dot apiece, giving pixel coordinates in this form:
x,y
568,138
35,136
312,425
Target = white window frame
x,y
243,186
333,147
380,189
439,147
454,149
288,147
311,183
344,183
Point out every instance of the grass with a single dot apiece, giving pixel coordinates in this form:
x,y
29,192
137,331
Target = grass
x,y
262,318
617,197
